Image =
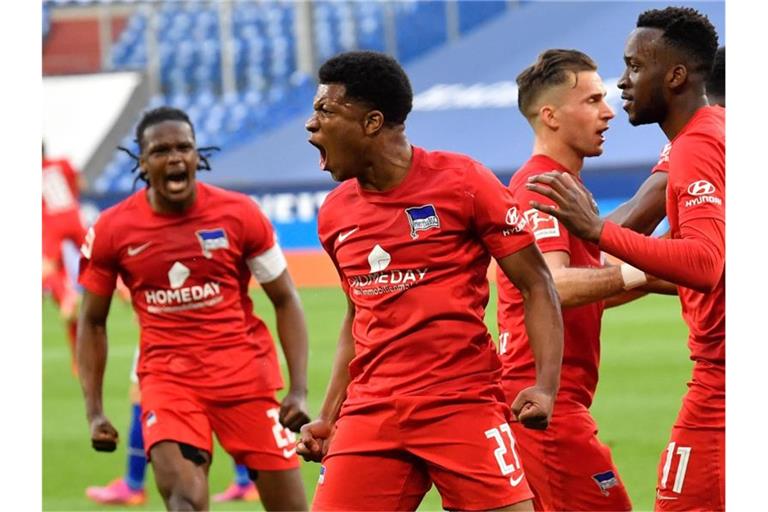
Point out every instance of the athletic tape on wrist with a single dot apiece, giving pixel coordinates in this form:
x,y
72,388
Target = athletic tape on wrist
x,y
632,276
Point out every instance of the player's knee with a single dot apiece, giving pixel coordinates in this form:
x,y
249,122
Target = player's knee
x,y
180,500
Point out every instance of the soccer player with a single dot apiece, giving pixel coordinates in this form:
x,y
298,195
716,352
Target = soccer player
x,y
668,59
563,98
415,396
61,185
186,251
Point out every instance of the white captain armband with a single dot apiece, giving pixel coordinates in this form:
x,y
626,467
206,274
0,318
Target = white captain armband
x,y
268,265
632,277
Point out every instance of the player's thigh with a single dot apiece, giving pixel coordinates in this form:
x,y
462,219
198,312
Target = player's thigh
x,y
250,431
170,412
377,481
280,490
181,474
691,472
568,467
471,455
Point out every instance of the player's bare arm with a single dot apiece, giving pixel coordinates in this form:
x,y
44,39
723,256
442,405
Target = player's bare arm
x,y
580,285
292,332
695,260
315,436
647,208
91,361
544,322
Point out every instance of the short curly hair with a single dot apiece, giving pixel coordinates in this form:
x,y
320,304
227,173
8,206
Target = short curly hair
x,y
716,81
552,67
686,29
373,78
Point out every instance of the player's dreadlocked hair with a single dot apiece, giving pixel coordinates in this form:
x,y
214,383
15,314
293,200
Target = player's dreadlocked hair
x,y
374,78
687,30
716,81
156,116
552,67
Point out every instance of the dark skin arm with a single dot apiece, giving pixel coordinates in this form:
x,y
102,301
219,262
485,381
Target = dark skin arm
x,y
91,362
647,208
315,436
528,271
292,332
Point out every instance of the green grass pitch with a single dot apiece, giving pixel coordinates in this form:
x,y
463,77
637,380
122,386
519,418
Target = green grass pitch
x,y
642,378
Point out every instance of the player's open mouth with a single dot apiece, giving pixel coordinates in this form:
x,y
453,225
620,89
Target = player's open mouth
x,y
323,155
601,134
177,181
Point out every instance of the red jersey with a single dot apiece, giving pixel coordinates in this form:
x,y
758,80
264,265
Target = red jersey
x,y
413,260
695,196
60,189
663,164
188,276
581,324
696,190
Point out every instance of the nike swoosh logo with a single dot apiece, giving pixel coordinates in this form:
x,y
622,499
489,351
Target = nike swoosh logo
x,y
344,236
514,481
288,453
133,251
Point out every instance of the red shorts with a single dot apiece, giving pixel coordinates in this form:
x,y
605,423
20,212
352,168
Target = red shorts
x,y
567,466
386,455
248,429
692,471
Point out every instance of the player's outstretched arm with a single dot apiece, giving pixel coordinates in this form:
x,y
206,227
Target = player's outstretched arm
x,y
292,332
315,436
91,361
544,322
695,260
647,208
581,285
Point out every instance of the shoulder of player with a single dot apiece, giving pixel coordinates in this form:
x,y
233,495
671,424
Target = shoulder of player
x,y
337,198
122,212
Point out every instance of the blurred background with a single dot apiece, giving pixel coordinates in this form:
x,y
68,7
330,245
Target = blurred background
x,y
245,72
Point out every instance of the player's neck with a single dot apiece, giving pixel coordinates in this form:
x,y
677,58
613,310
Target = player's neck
x,y
560,153
163,206
681,112
389,164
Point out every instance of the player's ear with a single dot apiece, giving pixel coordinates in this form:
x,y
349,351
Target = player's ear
x,y
547,115
373,122
677,76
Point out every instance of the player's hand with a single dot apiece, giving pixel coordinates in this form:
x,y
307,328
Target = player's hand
x,y
315,438
103,435
576,208
533,407
293,410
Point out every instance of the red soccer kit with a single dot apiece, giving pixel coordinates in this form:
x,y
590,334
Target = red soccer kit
x,y
60,222
692,467
567,467
425,403
207,362
61,209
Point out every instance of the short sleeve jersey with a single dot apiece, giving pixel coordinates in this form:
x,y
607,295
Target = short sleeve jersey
x,y
188,277
413,261
59,186
696,190
581,347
